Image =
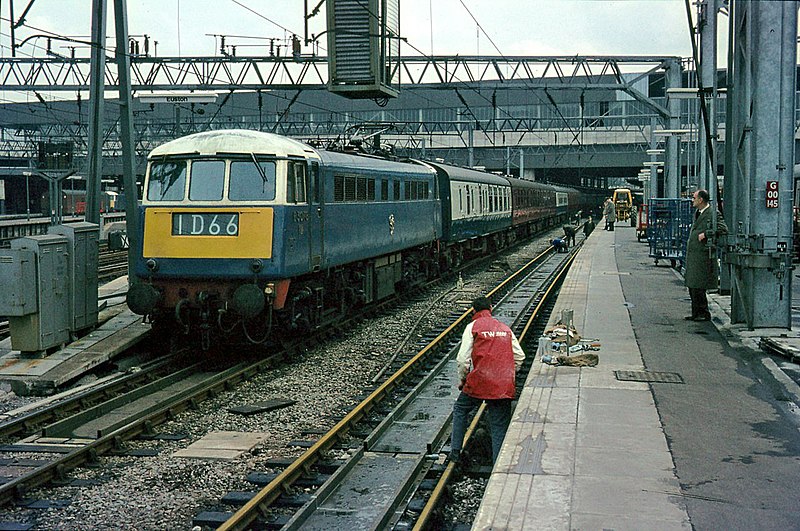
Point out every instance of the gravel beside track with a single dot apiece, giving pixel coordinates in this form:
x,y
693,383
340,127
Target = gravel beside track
x,y
165,492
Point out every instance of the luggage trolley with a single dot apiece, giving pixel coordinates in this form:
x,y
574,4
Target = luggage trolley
x,y
668,224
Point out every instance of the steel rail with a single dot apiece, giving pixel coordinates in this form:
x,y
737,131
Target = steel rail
x,y
439,490
113,440
25,423
243,517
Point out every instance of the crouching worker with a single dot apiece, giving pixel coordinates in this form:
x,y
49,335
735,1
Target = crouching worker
x,y
488,359
560,245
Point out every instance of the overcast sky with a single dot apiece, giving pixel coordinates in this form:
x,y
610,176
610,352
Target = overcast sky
x,y
517,27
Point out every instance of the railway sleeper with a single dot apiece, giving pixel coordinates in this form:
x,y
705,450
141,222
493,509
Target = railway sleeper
x,y
292,501
60,478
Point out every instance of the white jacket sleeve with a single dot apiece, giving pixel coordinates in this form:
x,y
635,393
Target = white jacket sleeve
x,y
519,354
464,357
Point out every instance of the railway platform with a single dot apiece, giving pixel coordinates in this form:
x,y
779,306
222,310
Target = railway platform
x,y
707,438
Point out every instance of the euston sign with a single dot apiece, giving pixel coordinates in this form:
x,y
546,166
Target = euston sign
x,y
185,97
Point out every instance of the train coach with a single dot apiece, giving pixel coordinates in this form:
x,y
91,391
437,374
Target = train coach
x,y
248,234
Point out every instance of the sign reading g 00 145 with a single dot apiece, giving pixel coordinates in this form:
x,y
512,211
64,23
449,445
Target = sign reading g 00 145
x,y
772,194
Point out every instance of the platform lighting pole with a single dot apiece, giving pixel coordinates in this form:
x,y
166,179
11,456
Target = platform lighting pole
x,y
95,126
653,155
27,175
673,169
126,136
761,130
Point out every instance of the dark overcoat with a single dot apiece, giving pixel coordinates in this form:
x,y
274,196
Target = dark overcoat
x,y
701,265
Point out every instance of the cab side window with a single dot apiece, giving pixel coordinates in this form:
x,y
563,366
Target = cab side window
x,y
296,183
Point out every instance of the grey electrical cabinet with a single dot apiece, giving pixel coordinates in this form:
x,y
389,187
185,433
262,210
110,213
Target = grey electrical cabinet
x,y
18,281
47,281
82,269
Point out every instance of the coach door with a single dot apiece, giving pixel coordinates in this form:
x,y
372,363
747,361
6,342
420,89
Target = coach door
x,y
316,227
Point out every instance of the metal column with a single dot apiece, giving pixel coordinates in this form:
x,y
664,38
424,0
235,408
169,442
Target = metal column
x,y
672,168
95,126
707,26
126,135
762,133
653,192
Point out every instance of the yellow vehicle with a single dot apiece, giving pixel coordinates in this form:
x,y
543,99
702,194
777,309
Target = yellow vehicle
x,y
623,203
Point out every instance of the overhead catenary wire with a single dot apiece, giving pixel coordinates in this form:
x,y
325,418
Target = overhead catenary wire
x,y
336,112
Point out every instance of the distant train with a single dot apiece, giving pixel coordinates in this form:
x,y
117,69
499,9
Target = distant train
x,y
259,231
73,202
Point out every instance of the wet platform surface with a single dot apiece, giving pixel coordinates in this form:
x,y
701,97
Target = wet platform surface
x,y
716,447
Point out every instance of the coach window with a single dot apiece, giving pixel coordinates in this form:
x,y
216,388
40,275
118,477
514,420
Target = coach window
x,y
384,189
167,181
396,191
252,181
207,179
296,183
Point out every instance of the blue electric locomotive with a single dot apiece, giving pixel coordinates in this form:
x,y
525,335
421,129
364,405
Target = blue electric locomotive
x,y
240,224
252,229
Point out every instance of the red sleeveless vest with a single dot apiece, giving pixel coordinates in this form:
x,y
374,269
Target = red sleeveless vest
x,y
492,374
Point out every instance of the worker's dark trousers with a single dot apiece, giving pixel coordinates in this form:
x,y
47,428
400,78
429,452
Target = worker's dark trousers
x,y
499,413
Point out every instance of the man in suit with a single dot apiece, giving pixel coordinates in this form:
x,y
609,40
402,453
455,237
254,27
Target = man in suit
x,y
701,257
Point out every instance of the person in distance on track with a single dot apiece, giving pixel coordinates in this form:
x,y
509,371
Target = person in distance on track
x,y
569,234
588,227
488,360
560,245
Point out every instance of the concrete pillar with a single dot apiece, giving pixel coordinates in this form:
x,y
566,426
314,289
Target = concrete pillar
x,y
96,93
126,136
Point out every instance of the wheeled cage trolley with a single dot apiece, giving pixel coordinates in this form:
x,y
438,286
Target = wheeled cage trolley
x,y
668,224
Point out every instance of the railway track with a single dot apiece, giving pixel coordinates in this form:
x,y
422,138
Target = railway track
x,y
111,264
103,419
406,420
112,439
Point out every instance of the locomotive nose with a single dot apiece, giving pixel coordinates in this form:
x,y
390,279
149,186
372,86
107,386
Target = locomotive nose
x,y
142,298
